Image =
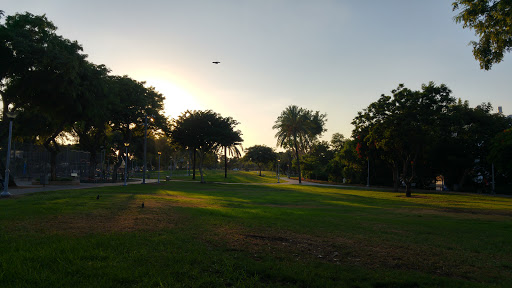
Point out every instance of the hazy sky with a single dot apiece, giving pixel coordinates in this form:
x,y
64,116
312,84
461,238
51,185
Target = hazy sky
x,y
332,56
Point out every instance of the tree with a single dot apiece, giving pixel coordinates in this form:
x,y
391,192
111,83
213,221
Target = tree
x,y
261,155
230,140
298,128
45,80
338,141
491,20
401,126
465,142
316,161
130,103
92,128
501,152
203,132
25,48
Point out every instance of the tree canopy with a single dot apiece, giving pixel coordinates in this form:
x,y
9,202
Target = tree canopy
x,y
261,155
204,132
401,125
298,128
48,79
492,22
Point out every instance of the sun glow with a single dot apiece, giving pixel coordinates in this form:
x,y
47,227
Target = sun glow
x,y
177,98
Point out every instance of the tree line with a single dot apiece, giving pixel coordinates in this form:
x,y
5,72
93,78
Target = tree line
x,y
403,139
408,138
56,92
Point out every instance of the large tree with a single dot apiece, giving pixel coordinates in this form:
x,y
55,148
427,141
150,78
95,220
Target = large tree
x,y
133,104
261,155
492,22
465,142
501,152
202,132
45,79
402,125
230,140
298,128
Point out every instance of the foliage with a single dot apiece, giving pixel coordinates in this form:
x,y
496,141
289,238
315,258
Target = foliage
x,y
204,132
491,20
465,142
261,155
402,125
316,162
298,128
47,78
501,152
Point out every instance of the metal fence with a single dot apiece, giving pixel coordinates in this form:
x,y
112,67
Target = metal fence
x,y
29,161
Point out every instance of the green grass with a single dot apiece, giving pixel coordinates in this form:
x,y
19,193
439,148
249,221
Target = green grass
x,y
218,176
216,235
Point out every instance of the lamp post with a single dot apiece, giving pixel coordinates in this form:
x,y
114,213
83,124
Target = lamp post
x,y
11,115
145,149
278,162
126,163
159,154
172,168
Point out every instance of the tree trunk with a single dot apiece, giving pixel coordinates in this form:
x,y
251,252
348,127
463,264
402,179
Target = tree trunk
x,y
225,162
92,165
462,179
53,165
12,183
297,155
53,152
194,165
201,156
407,188
116,167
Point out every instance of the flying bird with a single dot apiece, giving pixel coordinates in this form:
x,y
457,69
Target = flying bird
x,y
216,62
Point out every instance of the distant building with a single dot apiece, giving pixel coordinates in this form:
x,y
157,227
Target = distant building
x,y
500,109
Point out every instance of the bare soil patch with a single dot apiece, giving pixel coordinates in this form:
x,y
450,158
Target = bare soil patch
x,y
132,218
368,253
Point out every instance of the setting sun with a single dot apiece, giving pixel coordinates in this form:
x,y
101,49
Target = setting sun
x,y
177,99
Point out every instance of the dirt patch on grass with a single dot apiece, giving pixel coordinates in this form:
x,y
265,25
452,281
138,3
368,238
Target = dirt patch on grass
x,y
414,196
461,213
154,216
367,253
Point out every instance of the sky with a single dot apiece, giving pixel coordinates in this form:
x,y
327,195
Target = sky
x,y
335,57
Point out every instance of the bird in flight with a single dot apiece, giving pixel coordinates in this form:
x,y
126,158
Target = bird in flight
x,y
216,62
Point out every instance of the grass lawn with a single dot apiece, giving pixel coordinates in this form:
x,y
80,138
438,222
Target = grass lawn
x,y
216,235
218,176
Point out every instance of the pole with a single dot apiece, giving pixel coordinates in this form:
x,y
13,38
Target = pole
x,y
7,161
145,149
172,167
126,166
159,154
278,170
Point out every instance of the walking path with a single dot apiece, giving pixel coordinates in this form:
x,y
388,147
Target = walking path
x,y
27,187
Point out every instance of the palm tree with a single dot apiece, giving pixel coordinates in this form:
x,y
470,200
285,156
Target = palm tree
x,y
230,142
298,128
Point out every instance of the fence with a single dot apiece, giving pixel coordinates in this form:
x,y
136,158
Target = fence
x,y
29,161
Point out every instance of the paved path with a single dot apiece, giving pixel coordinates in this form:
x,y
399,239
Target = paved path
x,y
27,187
